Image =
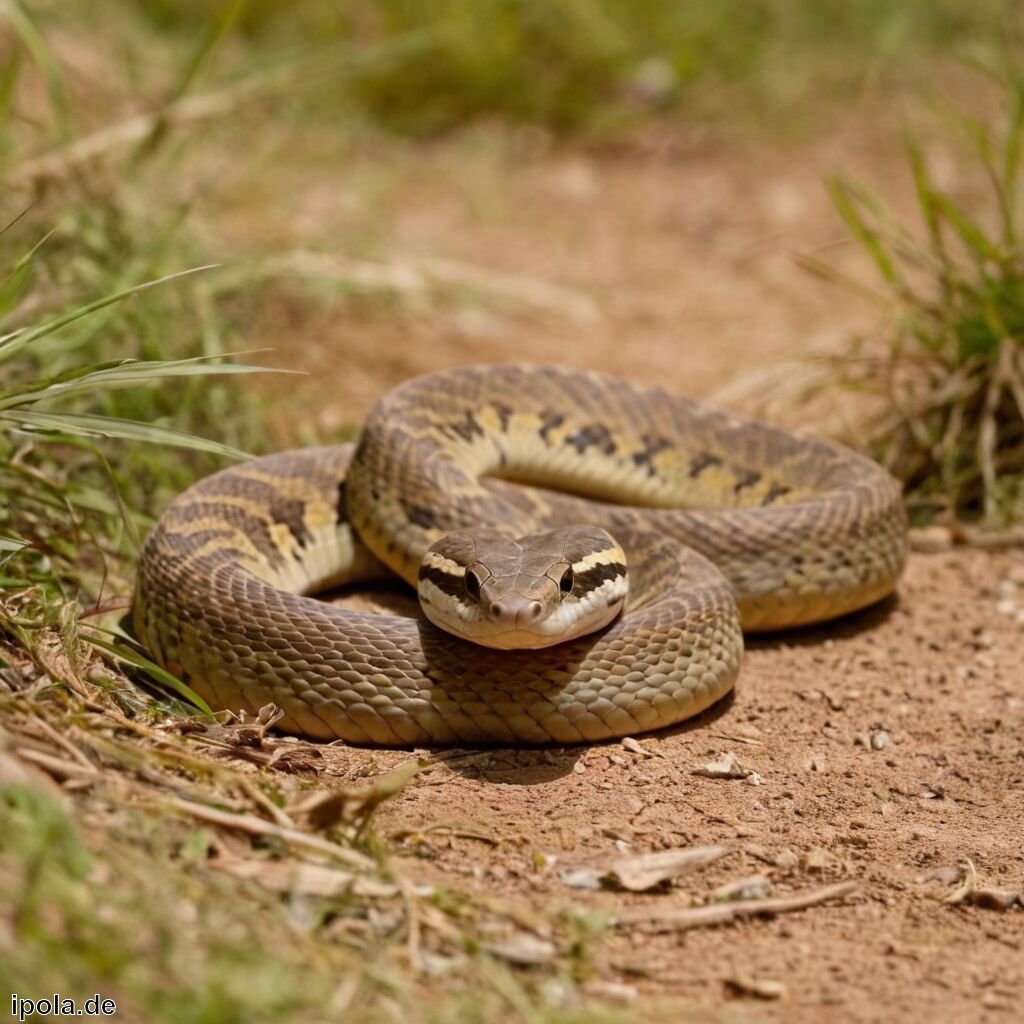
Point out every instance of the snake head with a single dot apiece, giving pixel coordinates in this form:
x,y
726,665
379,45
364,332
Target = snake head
x,y
526,592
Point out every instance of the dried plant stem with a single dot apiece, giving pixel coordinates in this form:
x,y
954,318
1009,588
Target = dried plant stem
x,y
683,919
258,826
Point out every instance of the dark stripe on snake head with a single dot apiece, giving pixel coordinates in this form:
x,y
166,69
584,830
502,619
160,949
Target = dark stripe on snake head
x,y
449,583
592,578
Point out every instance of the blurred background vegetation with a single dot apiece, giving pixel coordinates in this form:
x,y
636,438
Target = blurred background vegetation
x,y
131,132
142,138
573,65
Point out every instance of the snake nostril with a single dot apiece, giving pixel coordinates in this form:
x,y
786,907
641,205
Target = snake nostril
x,y
511,609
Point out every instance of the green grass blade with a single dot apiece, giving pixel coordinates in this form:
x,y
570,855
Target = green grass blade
x,y
33,41
1010,183
14,344
828,273
36,387
14,289
14,583
217,30
9,75
970,234
91,425
20,270
159,675
123,374
843,195
926,199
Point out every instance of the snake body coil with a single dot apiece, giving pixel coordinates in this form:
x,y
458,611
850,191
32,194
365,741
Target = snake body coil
x,y
723,521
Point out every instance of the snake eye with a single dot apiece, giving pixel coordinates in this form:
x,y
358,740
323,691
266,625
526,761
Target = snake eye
x,y
472,584
565,584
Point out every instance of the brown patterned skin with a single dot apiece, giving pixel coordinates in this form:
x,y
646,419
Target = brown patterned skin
x,y
802,530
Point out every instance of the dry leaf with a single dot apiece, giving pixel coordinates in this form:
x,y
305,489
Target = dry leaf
x,y
647,870
581,878
728,766
251,733
634,746
300,877
968,883
354,805
968,891
522,948
763,988
997,899
297,758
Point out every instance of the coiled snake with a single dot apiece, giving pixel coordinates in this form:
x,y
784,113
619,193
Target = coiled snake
x,y
721,521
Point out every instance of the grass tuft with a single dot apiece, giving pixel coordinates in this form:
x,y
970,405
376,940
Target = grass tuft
x,y
948,379
50,468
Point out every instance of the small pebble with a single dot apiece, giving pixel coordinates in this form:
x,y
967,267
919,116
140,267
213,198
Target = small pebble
x,y
614,991
879,740
787,859
816,860
753,887
992,1001
760,988
931,539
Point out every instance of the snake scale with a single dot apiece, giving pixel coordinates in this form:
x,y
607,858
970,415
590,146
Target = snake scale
x,y
726,524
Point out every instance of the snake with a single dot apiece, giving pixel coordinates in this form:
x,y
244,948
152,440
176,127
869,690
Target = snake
x,y
587,551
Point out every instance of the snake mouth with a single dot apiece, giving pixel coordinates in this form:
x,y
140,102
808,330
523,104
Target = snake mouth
x,y
523,628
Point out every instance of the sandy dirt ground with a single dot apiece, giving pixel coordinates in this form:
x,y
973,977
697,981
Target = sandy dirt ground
x,y
887,747
671,262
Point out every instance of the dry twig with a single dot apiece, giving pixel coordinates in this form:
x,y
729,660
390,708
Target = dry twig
x,y
681,919
257,826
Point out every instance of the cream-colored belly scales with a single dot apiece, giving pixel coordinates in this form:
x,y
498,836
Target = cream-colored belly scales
x,y
724,521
